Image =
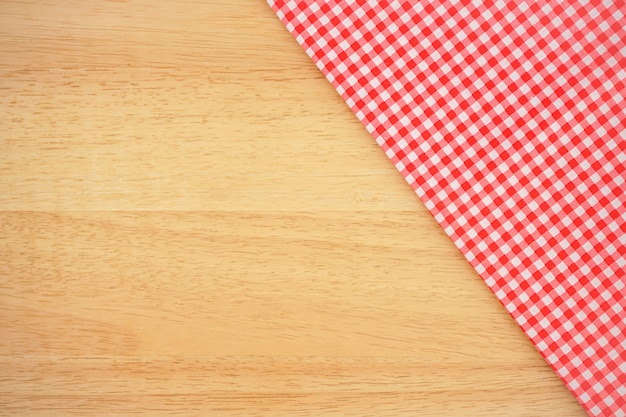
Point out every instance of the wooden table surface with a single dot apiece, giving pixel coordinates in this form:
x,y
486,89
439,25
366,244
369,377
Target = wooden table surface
x,y
193,223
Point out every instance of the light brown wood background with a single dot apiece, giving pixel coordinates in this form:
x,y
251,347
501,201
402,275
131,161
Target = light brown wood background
x,y
193,223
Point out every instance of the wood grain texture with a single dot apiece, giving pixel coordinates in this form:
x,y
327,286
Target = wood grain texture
x,y
193,223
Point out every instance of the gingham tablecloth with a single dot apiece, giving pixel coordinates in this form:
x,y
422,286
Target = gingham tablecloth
x,y
508,120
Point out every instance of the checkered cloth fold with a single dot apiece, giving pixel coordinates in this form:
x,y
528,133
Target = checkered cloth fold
x,y
508,120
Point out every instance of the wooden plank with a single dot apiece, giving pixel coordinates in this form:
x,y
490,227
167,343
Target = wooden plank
x,y
192,222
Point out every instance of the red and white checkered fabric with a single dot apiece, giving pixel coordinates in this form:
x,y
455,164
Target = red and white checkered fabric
x,y
508,120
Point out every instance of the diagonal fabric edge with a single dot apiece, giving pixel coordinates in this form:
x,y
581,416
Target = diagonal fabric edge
x,y
508,121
